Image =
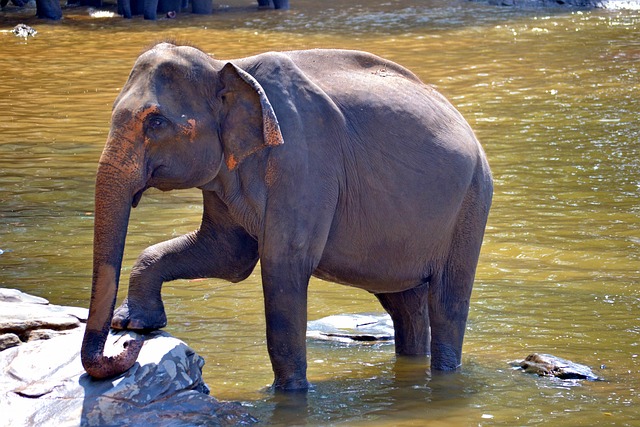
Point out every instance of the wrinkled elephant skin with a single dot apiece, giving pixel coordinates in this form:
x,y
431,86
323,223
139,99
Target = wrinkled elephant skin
x,y
332,163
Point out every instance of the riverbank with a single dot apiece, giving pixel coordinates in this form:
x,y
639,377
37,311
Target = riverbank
x,y
571,4
108,10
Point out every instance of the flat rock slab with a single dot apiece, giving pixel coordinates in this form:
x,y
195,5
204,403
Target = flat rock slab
x,y
352,328
14,295
21,317
25,317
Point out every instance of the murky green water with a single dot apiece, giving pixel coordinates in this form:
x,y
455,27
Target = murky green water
x,y
553,96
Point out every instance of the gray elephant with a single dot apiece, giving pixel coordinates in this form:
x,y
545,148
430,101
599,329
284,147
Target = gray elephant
x,y
45,9
332,163
151,8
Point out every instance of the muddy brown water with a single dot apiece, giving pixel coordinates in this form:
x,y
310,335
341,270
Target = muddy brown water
x,y
552,95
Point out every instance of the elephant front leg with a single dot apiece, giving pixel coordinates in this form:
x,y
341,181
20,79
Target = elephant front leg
x,y
277,4
151,9
124,8
281,4
285,298
143,308
229,254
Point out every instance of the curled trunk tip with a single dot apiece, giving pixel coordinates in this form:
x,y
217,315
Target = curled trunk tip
x,y
100,366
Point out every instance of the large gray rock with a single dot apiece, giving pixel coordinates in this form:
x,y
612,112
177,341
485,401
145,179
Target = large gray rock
x,y
42,382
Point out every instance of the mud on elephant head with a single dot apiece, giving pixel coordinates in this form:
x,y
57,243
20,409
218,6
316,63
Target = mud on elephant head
x,y
332,163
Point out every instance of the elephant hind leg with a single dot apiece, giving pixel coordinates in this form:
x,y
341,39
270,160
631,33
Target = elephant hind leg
x,y
448,310
409,312
450,289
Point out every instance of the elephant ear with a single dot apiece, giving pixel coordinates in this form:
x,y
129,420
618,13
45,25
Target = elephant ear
x,y
249,123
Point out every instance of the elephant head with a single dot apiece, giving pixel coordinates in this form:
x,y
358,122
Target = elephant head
x,y
180,120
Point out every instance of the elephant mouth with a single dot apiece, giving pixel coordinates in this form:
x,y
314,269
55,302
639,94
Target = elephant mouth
x,y
138,196
151,178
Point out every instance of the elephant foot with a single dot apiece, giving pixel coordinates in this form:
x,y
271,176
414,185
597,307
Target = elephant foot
x,y
133,317
291,385
445,358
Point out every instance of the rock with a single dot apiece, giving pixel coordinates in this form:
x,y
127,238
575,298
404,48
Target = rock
x,y
23,30
43,382
8,341
349,328
101,13
22,314
549,365
14,295
43,334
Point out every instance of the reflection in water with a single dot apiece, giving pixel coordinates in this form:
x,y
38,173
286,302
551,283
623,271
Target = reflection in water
x,y
551,94
404,392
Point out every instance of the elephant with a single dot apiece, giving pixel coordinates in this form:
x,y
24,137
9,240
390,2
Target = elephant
x,y
276,4
45,9
48,9
150,8
336,164
19,3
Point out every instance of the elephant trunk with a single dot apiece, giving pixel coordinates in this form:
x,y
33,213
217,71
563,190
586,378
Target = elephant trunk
x,y
117,189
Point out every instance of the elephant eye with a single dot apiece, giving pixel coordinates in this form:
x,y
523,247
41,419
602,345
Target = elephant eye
x,y
156,122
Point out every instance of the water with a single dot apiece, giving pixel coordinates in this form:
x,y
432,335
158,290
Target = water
x,y
553,96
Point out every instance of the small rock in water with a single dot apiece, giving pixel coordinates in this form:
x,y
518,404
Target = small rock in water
x,y
101,13
349,328
23,30
552,366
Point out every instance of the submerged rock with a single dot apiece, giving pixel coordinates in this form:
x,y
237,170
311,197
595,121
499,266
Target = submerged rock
x,y
350,328
549,365
42,382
